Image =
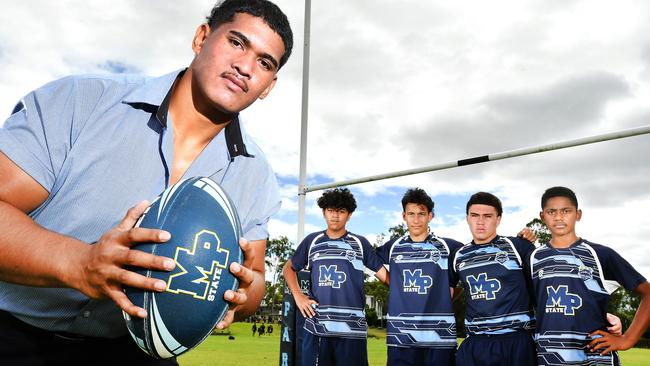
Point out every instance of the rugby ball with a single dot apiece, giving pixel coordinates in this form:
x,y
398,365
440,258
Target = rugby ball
x,y
205,231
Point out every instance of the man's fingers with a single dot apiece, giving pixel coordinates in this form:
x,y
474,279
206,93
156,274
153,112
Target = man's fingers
x,y
227,320
125,304
132,215
136,258
132,279
249,253
243,274
142,235
235,297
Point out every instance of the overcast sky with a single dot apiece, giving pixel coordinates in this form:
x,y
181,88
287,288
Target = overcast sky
x,y
402,84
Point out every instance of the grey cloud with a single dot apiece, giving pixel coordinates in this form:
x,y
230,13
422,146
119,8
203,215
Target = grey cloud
x,y
567,106
567,109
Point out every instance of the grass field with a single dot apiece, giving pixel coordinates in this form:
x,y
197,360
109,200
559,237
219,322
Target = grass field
x,y
265,350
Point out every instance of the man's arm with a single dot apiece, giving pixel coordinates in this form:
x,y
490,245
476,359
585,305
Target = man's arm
x,y
610,342
245,301
35,256
303,303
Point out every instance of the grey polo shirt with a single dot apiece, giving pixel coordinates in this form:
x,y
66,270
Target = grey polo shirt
x,y
99,145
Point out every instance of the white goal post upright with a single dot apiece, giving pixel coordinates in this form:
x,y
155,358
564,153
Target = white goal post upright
x,y
303,123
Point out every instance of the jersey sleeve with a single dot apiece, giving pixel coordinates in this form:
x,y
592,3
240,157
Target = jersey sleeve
x,y
383,252
617,269
523,247
370,258
454,248
301,256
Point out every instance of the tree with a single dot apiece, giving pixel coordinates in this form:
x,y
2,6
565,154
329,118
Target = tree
x,y
278,252
273,294
540,229
397,231
380,292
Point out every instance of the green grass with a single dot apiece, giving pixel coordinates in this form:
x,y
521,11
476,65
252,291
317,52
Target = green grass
x,y
265,350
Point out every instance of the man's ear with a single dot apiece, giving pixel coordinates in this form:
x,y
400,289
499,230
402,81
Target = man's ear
x,y
269,88
201,34
578,215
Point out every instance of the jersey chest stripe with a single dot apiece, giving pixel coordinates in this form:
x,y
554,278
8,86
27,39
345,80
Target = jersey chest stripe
x,y
397,241
457,254
610,286
533,261
514,250
311,245
359,243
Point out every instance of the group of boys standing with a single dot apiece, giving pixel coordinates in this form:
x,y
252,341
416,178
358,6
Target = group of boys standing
x,y
523,305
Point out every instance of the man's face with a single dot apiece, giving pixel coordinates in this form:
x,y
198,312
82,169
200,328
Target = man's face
x,y
560,215
336,218
417,219
234,64
483,221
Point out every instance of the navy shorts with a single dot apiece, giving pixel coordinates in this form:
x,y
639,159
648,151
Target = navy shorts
x,y
331,351
510,349
416,356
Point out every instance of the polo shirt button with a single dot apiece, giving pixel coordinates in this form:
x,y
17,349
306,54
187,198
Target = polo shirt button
x,y
86,314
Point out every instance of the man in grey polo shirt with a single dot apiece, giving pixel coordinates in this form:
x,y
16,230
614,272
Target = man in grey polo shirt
x,y
78,153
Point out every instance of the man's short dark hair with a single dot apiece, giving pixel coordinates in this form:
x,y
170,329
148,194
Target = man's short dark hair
x,y
224,12
337,198
485,198
419,197
559,192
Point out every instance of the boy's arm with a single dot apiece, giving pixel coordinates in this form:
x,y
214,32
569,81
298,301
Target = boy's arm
x,y
527,234
303,303
609,342
383,276
616,325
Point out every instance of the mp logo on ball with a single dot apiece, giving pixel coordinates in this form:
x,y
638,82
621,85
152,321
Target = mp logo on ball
x,y
205,231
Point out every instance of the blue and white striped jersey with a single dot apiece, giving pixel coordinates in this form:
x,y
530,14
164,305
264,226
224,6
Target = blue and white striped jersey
x,y
337,267
497,298
572,287
419,300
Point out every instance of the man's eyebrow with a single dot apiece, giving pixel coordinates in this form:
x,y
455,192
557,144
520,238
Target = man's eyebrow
x,y
247,43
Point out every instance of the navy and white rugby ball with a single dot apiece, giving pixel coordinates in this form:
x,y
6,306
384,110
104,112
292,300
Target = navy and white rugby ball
x,y
205,230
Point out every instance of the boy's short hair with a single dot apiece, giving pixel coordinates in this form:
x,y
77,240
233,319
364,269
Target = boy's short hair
x,y
559,192
419,197
485,198
337,198
224,12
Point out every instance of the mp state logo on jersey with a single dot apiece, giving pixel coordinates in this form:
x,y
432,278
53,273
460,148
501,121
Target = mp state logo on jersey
x,y
330,276
560,300
501,257
482,287
585,273
198,280
415,281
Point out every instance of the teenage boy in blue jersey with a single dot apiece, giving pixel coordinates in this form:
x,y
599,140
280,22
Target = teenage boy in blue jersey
x,y
421,323
572,279
335,324
498,309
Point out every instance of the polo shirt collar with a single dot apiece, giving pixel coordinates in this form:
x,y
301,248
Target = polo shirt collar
x,y
156,93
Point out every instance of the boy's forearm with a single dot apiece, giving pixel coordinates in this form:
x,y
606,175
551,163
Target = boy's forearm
x,y
291,278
